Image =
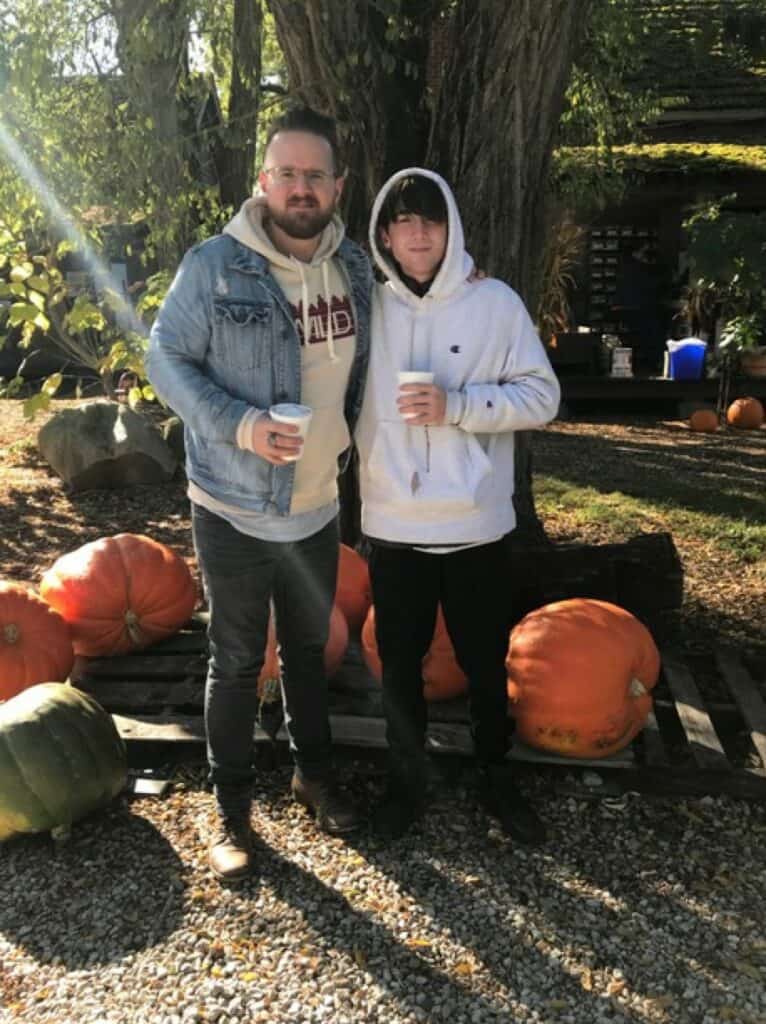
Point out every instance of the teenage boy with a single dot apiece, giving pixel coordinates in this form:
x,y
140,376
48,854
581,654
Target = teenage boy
x,y
436,479
274,310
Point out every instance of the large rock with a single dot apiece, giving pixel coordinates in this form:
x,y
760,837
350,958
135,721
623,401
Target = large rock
x,y
105,445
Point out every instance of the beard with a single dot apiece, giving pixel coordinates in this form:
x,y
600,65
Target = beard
x,y
302,219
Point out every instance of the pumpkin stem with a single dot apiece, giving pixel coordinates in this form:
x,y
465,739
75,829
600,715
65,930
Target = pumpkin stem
x,y
637,688
134,630
11,633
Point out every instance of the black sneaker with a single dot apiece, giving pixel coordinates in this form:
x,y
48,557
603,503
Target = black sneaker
x,y
334,813
231,848
396,813
501,798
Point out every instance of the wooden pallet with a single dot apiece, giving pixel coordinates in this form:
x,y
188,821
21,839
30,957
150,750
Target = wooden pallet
x,y
157,697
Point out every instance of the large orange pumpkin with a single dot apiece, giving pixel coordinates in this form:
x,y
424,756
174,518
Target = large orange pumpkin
x,y
443,678
120,593
334,651
579,676
35,642
704,421
745,413
353,594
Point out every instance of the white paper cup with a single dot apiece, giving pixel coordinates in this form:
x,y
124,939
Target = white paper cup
x,y
414,377
299,415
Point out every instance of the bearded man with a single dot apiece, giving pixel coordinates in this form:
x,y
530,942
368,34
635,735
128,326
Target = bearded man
x,y
274,311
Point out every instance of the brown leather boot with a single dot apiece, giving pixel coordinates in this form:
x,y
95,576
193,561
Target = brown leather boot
x,y
231,848
334,813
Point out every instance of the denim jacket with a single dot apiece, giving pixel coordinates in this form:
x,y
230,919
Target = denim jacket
x,y
225,341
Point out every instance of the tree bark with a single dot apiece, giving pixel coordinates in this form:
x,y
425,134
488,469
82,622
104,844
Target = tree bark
x,y
236,157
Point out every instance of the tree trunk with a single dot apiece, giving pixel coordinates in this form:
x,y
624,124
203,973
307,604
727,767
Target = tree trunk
x,y
473,89
152,42
236,157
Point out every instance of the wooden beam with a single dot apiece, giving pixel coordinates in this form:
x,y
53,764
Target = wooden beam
x,y
702,738
748,699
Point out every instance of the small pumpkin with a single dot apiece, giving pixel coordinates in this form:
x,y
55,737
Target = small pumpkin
x,y
353,594
580,674
704,421
61,757
334,652
443,678
35,643
120,593
745,414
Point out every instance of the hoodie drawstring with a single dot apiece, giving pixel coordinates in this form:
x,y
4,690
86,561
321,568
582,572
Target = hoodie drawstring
x,y
305,307
328,300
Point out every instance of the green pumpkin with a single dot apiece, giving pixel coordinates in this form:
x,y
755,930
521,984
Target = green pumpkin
x,y
61,757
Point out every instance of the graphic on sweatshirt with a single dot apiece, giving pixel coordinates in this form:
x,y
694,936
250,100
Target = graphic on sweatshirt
x,y
342,319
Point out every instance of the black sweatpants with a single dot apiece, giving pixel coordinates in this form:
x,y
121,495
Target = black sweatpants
x,y
472,586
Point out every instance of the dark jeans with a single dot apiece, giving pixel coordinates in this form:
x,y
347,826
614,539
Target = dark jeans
x,y
241,575
472,586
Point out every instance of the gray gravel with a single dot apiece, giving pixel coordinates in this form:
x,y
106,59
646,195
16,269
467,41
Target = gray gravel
x,y
639,910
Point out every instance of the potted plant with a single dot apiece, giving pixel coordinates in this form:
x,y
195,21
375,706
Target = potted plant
x,y
743,339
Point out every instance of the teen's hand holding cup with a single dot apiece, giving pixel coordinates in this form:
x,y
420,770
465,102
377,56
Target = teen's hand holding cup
x,y
421,402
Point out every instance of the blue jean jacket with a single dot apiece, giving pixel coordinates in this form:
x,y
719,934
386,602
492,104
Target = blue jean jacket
x,y
224,341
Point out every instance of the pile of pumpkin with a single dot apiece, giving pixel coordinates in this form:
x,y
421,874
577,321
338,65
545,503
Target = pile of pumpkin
x,y
743,413
580,671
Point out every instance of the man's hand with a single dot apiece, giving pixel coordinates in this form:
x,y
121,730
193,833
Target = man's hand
x,y
278,443
422,405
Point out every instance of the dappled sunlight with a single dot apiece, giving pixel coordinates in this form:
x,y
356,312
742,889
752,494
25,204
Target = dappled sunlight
x,y
124,312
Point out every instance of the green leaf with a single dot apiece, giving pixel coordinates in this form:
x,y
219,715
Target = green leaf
x,y
39,283
22,271
22,312
36,299
51,384
37,403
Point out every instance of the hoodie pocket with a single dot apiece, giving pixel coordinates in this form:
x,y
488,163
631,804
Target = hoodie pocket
x,y
437,473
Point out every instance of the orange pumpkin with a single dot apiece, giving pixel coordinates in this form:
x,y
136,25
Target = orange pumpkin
x,y
443,678
579,676
745,414
120,593
353,594
334,651
704,421
35,643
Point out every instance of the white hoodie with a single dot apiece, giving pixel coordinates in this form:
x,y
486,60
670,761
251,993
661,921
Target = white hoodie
x,y
450,484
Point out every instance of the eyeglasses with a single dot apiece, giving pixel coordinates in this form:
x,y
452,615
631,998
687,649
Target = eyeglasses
x,y
291,176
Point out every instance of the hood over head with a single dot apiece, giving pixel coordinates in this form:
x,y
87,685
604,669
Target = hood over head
x,y
456,265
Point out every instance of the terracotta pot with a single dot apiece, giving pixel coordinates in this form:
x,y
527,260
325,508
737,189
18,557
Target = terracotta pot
x,y
754,363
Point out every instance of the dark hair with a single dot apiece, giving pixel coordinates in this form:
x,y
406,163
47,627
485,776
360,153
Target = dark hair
x,y
413,194
304,119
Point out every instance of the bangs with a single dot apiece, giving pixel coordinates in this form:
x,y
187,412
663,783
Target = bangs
x,y
415,195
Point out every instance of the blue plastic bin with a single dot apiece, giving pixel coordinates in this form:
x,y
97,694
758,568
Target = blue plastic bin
x,y
687,359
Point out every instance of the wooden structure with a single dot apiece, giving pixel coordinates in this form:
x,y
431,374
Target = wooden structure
x,y
688,747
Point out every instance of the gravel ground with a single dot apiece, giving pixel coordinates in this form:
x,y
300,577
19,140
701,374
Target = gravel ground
x,y
636,909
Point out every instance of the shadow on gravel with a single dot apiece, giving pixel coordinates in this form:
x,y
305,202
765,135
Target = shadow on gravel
x,y
115,887
417,976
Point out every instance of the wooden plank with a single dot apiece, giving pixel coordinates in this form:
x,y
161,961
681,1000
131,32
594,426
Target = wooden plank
x,y
654,746
702,738
141,696
142,667
749,701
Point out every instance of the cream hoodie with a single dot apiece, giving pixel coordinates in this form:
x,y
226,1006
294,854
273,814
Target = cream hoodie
x,y
320,298
450,484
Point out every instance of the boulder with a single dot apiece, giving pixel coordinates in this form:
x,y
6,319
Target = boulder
x,y
105,445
